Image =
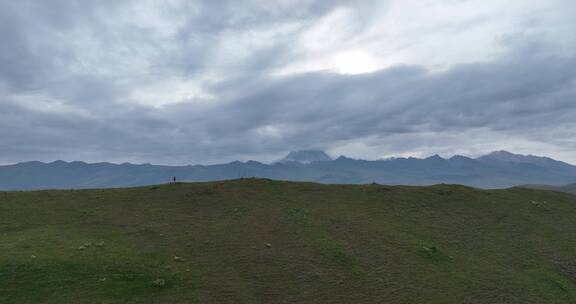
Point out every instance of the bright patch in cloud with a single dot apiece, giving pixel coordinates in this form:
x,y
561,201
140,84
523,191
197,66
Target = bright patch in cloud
x,y
354,62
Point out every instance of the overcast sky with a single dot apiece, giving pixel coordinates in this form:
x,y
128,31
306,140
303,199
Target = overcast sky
x,y
186,82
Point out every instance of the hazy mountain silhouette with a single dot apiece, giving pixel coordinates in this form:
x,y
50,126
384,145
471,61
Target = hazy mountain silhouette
x,y
495,170
306,156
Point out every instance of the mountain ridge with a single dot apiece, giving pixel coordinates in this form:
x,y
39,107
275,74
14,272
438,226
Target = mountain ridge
x,y
306,156
495,170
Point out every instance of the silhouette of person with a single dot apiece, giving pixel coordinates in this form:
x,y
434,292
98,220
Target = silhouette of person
x,y
174,179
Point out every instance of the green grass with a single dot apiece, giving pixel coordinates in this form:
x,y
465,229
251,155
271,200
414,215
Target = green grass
x,y
262,241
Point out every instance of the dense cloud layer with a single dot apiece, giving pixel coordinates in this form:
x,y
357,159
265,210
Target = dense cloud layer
x,y
210,81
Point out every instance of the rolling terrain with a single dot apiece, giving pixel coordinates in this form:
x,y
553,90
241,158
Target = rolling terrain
x,y
264,241
571,188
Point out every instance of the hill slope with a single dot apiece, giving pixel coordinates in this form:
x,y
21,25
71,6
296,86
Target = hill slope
x,y
571,188
262,241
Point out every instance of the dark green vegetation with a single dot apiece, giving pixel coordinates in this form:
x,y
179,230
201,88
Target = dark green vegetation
x,y
261,241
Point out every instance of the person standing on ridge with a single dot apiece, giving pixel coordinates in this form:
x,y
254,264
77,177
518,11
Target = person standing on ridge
x,y
174,179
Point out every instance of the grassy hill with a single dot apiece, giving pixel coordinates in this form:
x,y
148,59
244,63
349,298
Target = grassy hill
x,y
262,241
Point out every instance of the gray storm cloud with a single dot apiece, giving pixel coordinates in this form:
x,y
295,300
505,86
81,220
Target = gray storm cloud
x,y
212,81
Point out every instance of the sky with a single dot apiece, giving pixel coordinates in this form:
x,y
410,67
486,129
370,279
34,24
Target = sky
x,y
189,82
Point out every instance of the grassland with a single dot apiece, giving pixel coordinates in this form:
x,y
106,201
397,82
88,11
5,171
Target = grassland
x,y
262,241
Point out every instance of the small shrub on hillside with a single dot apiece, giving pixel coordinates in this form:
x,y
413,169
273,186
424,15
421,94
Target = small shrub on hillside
x,y
159,283
434,253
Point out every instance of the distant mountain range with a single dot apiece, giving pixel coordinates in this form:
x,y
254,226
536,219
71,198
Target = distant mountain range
x,y
496,170
306,156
